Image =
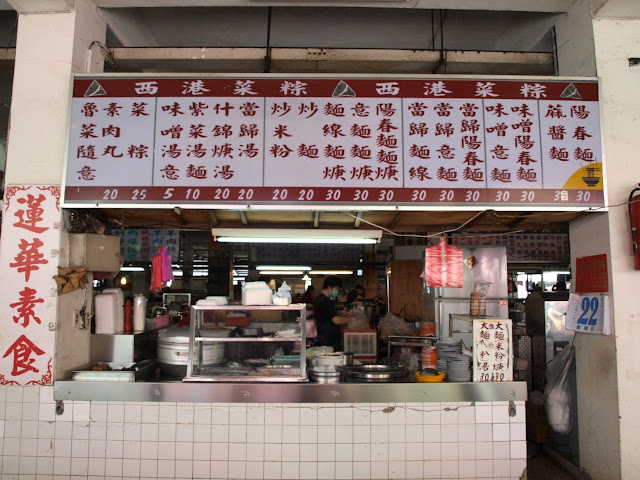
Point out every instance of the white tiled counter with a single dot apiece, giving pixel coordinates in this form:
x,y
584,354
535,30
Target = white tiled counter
x,y
140,440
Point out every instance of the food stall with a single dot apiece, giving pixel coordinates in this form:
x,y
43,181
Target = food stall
x,y
423,192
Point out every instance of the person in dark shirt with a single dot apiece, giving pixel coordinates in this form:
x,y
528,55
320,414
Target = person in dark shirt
x,y
307,296
354,294
328,320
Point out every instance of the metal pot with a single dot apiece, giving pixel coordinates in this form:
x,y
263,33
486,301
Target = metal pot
x,y
173,349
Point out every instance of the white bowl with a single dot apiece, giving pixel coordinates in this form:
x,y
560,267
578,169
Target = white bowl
x,y
331,359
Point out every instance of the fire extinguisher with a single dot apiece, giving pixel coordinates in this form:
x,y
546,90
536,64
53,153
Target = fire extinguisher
x,y
634,220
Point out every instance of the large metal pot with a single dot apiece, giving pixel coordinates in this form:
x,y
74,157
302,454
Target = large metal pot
x,y
173,349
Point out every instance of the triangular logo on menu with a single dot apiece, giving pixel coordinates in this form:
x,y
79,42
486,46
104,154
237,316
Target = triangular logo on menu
x,y
95,90
343,90
571,92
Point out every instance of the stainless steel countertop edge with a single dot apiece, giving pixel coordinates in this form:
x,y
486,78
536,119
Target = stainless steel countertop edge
x,y
289,392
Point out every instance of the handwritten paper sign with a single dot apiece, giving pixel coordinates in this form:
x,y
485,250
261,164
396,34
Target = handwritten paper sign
x,y
492,351
588,314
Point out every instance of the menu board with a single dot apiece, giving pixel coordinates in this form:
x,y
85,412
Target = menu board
x,y
492,350
347,140
140,244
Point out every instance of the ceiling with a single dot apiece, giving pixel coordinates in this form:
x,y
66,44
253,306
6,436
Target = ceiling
x,y
431,222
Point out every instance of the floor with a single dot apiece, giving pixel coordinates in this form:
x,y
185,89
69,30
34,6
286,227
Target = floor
x,y
539,467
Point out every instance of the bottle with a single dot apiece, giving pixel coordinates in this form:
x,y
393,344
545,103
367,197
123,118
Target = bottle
x,y
128,317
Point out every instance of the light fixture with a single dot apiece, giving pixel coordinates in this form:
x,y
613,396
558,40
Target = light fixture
x,y
284,235
132,269
280,272
282,267
331,272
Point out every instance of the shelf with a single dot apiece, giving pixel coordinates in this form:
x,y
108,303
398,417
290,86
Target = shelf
x,y
248,339
199,372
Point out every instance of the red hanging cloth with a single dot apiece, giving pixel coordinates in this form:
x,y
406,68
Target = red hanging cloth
x,y
443,266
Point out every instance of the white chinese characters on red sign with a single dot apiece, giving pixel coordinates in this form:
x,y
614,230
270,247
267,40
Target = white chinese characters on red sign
x,y
492,350
335,140
28,237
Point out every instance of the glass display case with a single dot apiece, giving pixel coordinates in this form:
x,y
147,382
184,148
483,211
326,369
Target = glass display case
x,y
220,353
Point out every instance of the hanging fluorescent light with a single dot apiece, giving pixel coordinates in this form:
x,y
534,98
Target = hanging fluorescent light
x,y
280,272
281,267
331,272
132,269
284,235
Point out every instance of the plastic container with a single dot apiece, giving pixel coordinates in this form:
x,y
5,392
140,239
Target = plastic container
x,y
139,312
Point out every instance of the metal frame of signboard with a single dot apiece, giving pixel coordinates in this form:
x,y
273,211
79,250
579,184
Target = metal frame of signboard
x,y
330,198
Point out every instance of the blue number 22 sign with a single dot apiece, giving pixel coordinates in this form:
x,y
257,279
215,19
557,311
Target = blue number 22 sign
x,y
588,314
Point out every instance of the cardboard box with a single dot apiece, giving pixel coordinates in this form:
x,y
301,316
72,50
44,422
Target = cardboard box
x,y
99,253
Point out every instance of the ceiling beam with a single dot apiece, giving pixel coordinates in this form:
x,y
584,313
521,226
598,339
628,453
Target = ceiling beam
x,y
243,218
228,59
213,220
42,6
316,219
512,5
129,27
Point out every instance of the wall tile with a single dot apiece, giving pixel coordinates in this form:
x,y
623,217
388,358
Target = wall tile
x,y
14,394
344,470
202,469
308,470
397,433
254,470
149,432
396,470
518,449
449,451
27,466
484,450
166,468
131,467
501,413
308,453
449,433
150,412
184,433
149,450
432,469
484,468
518,431
44,466
184,469
149,467
484,413
517,467
219,469
309,434
501,468
273,470
501,450
414,469
290,470
29,428
81,411
501,432
133,412
273,452
432,452
414,433
467,469
97,466
449,469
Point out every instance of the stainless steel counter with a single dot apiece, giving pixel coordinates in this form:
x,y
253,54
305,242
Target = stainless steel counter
x,y
290,392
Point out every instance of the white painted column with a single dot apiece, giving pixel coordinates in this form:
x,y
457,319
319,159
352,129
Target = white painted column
x,y
616,40
49,47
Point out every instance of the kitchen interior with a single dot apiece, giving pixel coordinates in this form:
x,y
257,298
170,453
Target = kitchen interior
x,y
226,292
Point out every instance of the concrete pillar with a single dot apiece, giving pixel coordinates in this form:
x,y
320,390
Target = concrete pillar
x,y
616,41
49,48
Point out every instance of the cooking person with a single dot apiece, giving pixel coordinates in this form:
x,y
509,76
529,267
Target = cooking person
x,y
355,294
328,320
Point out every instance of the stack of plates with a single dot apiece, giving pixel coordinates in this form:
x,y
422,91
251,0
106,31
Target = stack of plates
x,y
445,348
458,367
